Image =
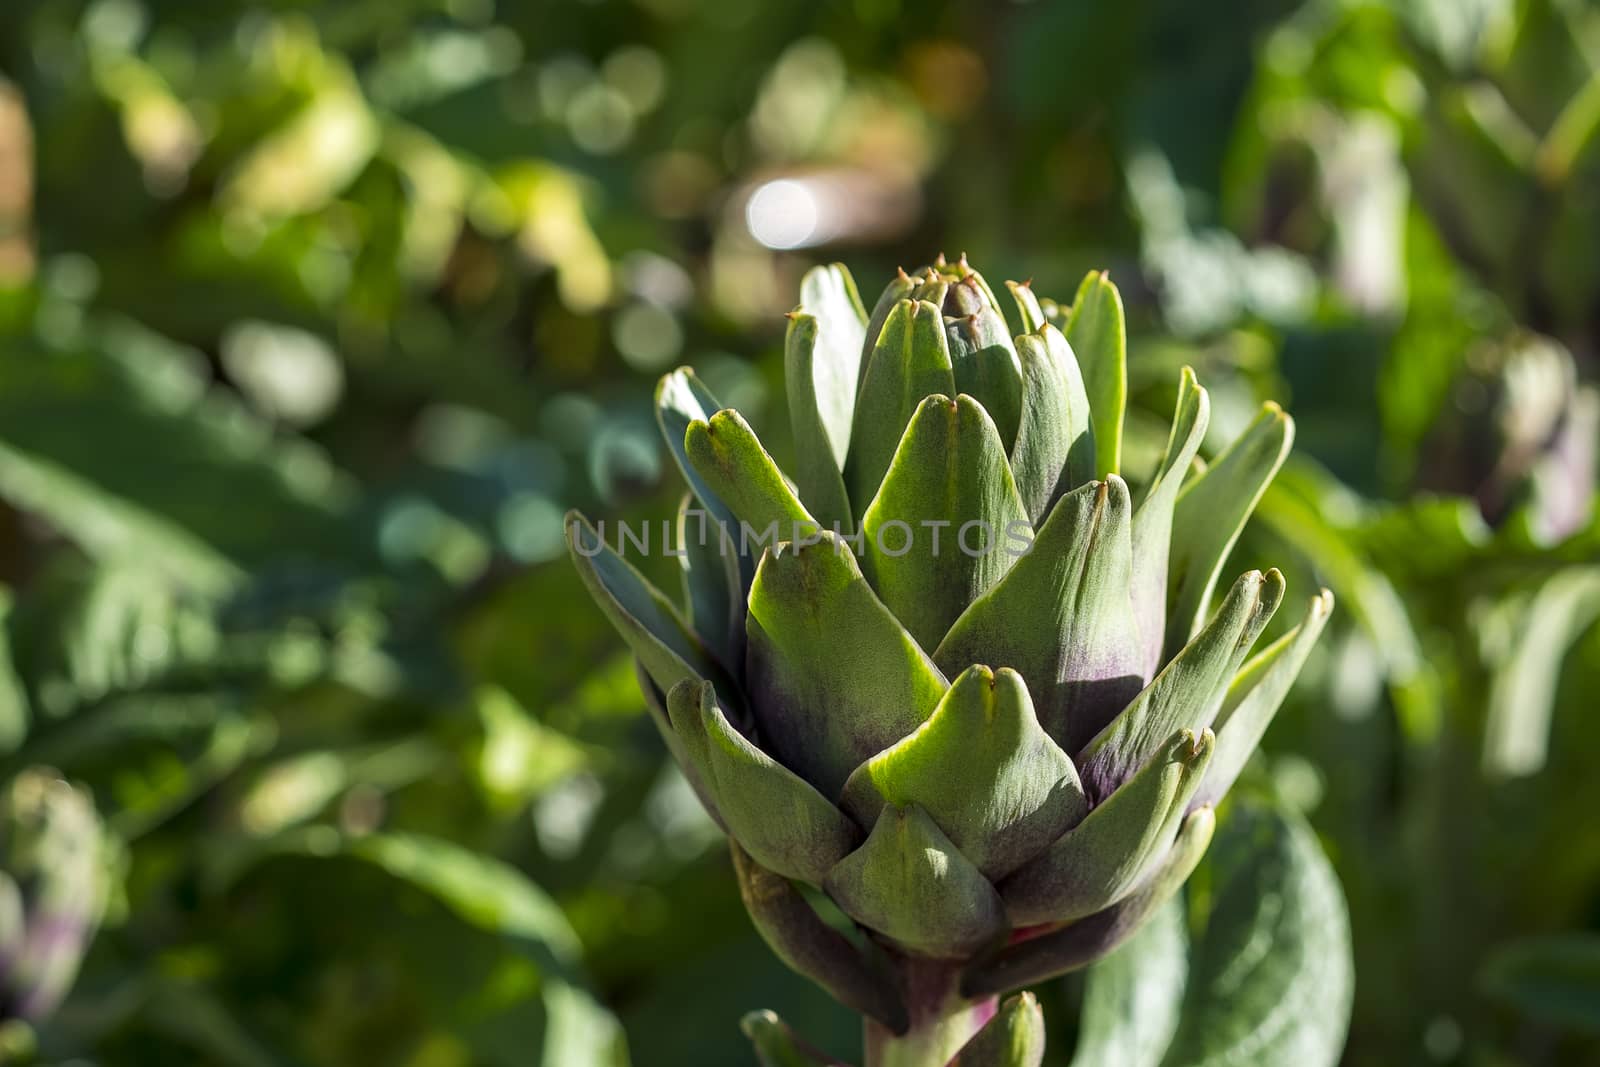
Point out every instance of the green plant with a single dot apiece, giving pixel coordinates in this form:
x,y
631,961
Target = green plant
x,y
832,702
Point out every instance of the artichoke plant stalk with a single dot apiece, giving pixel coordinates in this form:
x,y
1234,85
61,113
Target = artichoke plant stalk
x,y
962,701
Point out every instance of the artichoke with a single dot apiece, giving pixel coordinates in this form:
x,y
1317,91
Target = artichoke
x,y
52,890
950,679
1520,436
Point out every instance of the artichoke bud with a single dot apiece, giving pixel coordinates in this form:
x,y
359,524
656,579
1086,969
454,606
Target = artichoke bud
x,y
979,692
967,298
53,886
1013,1038
1519,436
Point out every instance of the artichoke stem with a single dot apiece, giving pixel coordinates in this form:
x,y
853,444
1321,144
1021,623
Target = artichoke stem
x,y
942,1020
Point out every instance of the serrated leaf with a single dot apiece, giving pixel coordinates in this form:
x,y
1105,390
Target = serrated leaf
x,y
106,526
86,632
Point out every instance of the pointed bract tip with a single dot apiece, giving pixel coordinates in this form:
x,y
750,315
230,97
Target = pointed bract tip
x,y
1201,746
1114,489
1273,586
577,526
981,672
696,690
939,260
1009,675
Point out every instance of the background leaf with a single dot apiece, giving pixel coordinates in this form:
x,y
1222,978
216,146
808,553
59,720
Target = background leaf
x,y
1270,977
1132,998
1554,979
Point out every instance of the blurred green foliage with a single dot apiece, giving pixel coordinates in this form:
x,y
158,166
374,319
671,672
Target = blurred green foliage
x,y
315,318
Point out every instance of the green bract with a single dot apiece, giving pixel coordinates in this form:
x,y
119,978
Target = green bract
x,y
953,672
